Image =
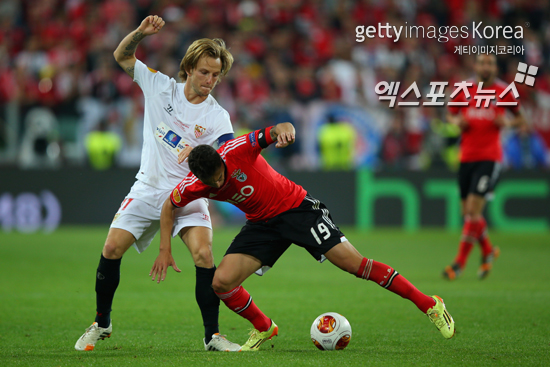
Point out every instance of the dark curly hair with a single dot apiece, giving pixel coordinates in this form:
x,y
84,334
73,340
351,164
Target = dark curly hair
x,y
204,161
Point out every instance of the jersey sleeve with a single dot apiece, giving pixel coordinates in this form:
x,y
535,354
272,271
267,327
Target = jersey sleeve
x,y
222,126
150,81
248,146
223,139
189,189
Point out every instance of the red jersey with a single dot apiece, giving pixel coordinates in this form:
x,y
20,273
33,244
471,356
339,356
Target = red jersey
x,y
480,141
251,184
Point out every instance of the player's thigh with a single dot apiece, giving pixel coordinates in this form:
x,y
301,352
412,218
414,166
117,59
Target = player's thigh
x,y
233,271
483,178
199,242
310,226
117,243
474,204
464,179
138,218
345,256
260,241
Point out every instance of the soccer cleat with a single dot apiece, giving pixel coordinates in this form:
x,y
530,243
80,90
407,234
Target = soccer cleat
x,y
451,272
221,344
487,263
92,335
441,318
257,338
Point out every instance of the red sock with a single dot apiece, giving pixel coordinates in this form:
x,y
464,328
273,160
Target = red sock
x,y
388,278
469,235
483,238
240,301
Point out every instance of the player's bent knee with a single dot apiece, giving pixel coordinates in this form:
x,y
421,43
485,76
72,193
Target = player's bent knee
x,y
113,251
219,286
203,257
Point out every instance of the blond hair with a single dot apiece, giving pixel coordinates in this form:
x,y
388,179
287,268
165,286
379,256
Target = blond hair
x,y
214,48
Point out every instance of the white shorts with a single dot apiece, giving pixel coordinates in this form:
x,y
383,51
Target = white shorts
x,y
137,216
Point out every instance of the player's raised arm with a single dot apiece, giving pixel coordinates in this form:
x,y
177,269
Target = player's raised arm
x,y
126,50
284,133
165,259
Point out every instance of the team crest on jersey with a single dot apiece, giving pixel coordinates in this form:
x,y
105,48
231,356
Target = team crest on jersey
x,y
240,176
176,195
199,130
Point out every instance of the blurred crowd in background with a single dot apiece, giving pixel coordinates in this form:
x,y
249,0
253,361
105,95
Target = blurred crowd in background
x,y
65,102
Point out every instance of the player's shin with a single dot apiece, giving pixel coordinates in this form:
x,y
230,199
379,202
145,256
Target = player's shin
x,y
239,301
483,238
208,301
106,283
469,234
385,276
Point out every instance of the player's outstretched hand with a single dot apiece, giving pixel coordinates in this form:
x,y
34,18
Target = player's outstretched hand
x,y
163,261
286,134
151,25
182,156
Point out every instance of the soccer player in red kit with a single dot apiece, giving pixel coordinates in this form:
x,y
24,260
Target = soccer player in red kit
x,y
480,157
279,213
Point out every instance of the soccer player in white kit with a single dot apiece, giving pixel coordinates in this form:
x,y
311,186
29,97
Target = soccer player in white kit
x,y
177,117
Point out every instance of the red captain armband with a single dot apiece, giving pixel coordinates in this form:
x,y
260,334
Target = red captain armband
x,y
264,137
261,137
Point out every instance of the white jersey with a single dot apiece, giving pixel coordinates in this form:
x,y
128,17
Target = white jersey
x,y
170,123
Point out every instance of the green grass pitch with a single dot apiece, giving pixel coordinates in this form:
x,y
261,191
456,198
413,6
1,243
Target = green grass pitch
x,y
47,299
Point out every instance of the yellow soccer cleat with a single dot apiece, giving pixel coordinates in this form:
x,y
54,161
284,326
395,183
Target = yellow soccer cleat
x,y
257,338
441,318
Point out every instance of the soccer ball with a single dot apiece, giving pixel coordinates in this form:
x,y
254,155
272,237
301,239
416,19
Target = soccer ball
x,y
331,331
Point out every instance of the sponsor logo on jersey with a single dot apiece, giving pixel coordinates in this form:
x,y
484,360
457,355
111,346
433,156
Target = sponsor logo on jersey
x,y
171,138
169,109
240,176
252,138
151,70
199,130
176,195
